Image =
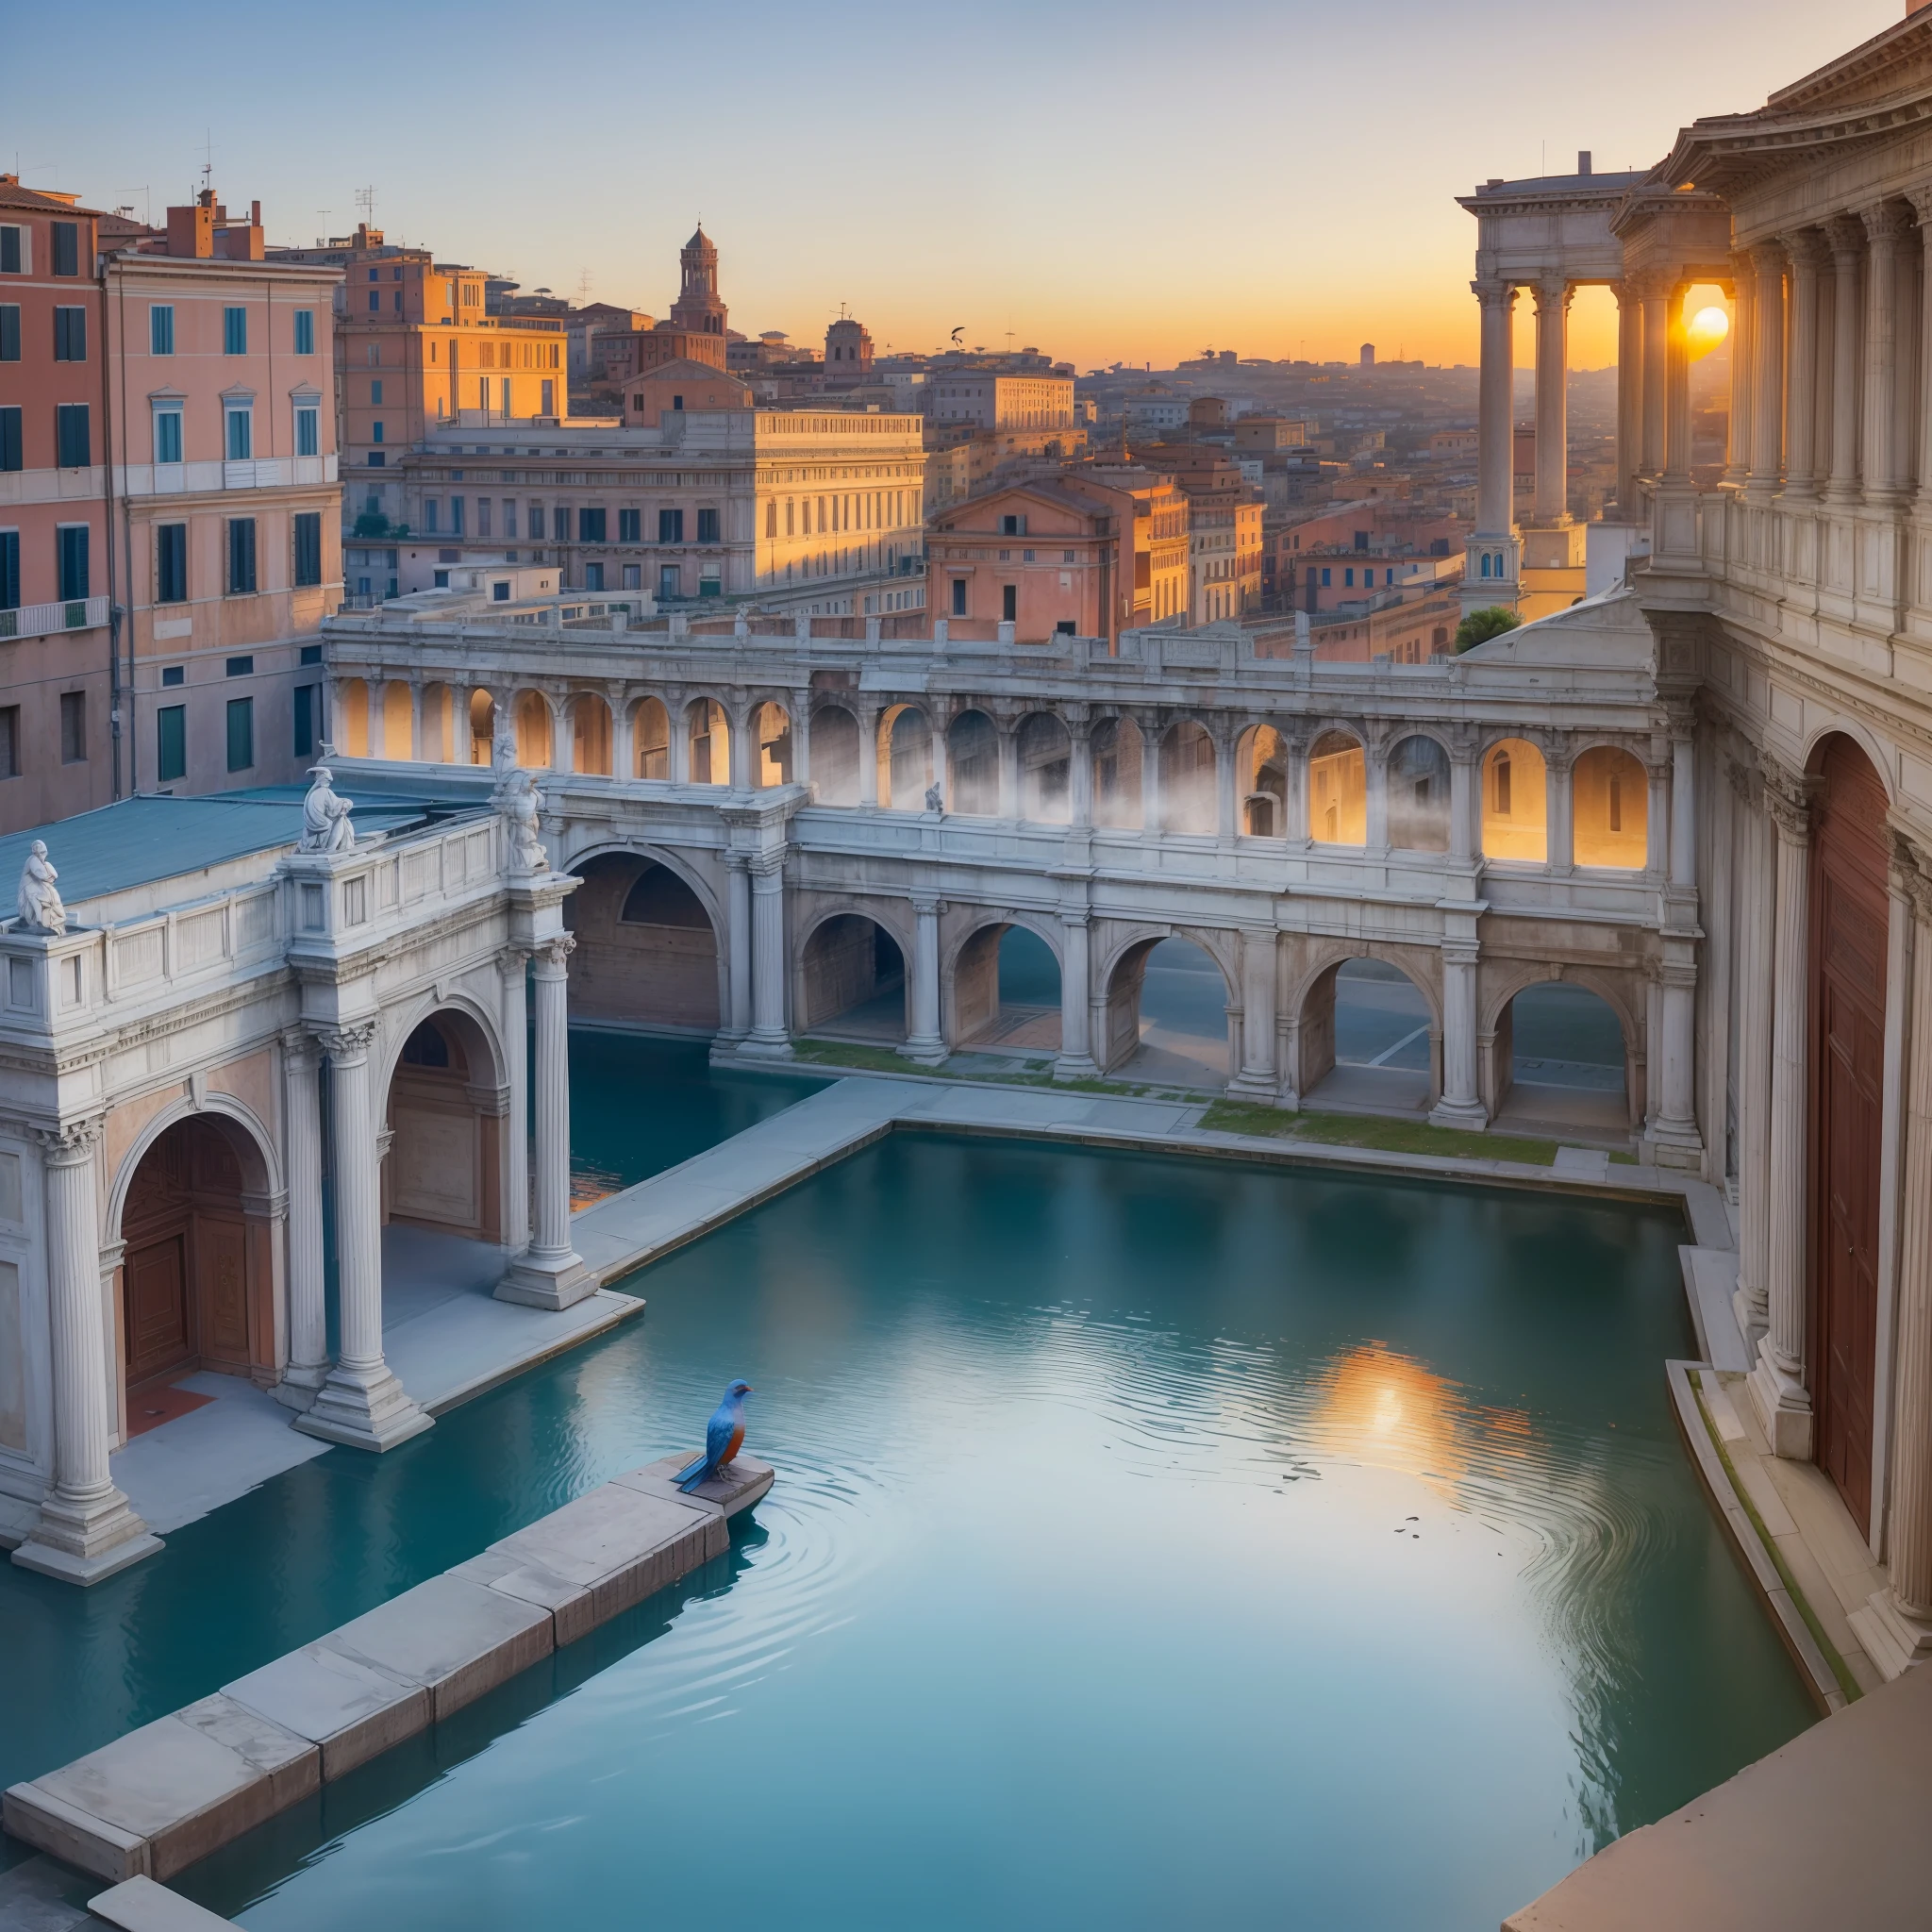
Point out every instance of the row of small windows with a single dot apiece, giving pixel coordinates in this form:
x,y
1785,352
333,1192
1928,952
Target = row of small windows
x,y
16,248
72,543
70,331
73,434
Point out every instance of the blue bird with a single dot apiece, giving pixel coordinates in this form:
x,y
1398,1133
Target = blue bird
x,y
724,1439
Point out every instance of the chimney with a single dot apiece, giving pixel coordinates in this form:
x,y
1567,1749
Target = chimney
x,y
1582,163
192,230
254,207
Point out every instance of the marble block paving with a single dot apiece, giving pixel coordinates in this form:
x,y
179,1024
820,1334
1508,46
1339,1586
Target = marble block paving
x,y
177,1790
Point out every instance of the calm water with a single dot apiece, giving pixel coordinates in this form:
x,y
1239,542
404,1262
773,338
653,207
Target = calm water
x,y
1153,1540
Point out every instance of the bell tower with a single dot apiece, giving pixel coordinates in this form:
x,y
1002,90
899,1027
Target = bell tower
x,y
697,307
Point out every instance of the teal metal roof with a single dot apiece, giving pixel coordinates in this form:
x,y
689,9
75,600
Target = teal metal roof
x,y
141,840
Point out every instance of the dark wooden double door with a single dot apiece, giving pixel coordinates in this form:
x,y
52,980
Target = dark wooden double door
x,y
1849,918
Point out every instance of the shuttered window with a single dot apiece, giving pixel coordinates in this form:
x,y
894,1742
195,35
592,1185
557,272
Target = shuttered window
x,y
73,436
70,335
9,331
240,556
72,553
240,734
66,247
171,743
160,329
170,563
234,331
308,549
305,331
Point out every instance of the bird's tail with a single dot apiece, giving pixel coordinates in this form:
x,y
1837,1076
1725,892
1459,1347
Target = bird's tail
x,y
692,1474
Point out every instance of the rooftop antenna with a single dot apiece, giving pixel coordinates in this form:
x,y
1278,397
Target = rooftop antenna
x,y
365,204
147,204
207,165
584,282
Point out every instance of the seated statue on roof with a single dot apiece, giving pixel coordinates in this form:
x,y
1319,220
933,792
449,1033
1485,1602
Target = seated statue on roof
x,y
325,825
40,909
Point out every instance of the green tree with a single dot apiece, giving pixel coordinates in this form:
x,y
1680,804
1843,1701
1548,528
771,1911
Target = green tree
x,y
371,523
1480,627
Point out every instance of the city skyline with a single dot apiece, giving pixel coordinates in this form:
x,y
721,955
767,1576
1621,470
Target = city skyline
x,y
877,209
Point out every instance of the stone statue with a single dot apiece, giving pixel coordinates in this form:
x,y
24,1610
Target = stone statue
x,y
518,804
40,909
325,825
933,801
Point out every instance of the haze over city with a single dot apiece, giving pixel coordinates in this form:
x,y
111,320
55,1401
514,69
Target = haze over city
x,y
1097,180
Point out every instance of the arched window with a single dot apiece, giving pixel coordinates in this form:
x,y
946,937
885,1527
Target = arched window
x,y
1419,796
1262,764
1609,805
1515,812
834,755
650,728
1338,791
710,742
972,744
771,729
1118,755
1186,779
1045,753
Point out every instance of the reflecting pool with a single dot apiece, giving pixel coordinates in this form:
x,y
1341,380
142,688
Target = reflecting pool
x,y
1154,1540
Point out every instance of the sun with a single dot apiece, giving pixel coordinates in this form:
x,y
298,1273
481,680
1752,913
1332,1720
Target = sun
x,y
1705,330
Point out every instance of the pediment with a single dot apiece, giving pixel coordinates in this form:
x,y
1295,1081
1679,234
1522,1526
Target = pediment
x,y
1605,633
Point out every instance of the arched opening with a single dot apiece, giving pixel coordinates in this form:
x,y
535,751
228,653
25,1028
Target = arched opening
x,y
1609,807
482,725
1338,791
1007,993
1563,1062
1419,796
197,1275
852,981
1365,1041
709,737
1118,755
647,957
1167,1014
771,737
650,738
439,707
395,720
904,755
1849,914
531,712
352,717
590,727
446,1126
1186,779
1045,754
1515,805
1262,761
834,755
972,751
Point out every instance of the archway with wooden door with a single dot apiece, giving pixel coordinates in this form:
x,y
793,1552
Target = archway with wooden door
x,y
1849,919
197,1273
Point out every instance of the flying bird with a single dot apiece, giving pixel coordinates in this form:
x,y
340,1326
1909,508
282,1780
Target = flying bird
x,y
957,333
724,1439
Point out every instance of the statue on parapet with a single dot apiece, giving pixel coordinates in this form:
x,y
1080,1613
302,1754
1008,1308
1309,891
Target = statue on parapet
x,y
934,799
517,804
40,909
325,825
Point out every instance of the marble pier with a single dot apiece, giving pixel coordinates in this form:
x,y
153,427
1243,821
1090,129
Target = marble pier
x,y
154,1800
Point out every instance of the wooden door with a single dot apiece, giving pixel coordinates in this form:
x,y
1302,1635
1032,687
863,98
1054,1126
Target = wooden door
x,y
160,1330
1849,914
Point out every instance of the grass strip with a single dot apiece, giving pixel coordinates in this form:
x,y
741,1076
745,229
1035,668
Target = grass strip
x,y
860,1059
1846,1682
1373,1130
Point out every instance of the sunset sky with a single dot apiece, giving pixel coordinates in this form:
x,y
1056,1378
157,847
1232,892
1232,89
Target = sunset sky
x,y
1131,182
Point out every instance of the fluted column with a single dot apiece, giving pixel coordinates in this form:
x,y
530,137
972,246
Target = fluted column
x,y
1495,509
301,1134
1683,806
86,1529
415,722
1657,328
1807,256
801,738
1885,455
1767,370
360,1403
1847,354
1678,389
1921,205
548,1274
1743,399
768,1036
1778,1384
562,737
1757,901
1076,1061
924,1043
868,761
1897,1623
1629,395
1255,1079
677,737
737,945
514,967
1552,402
1461,1103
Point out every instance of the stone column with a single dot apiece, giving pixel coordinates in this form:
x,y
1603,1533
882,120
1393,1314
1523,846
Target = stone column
x,y
85,1529
1465,803
869,761
548,1275
1080,772
562,737
801,738
1376,741
1076,1061
738,945
308,1312
1768,359
1678,389
360,1401
1552,402
676,738
925,1043
1495,508
1807,256
1777,1383
768,1037
1559,842
1294,745
1227,800
1461,1103
1008,741
1683,806
741,754
514,967
1921,203
1743,398
415,722
1757,900
1150,779
1847,352
1896,1624
1885,455
1656,325
1629,395
1255,1078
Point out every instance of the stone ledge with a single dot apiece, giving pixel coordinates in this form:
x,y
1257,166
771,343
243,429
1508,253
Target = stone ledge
x,y
141,1905
349,1711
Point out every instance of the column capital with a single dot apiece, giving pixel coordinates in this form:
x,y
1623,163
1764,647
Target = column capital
x,y
1911,866
1680,717
927,903
1745,779
1074,916
1920,199
1787,799
1559,752
1885,222
552,954
300,1044
1552,284
1845,235
766,865
1807,249
70,1142
347,1043
1494,294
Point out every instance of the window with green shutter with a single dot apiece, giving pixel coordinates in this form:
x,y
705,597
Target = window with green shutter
x,y
10,569
73,435
308,549
240,734
66,247
171,743
305,331
160,329
9,331
73,561
9,437
240,556
70,334
170,563
234,331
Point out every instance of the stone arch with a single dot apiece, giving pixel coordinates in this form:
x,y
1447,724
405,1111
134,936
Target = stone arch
x,y
1119,754
1515,801
1190,762
1043,750
650,738
589,731
973,759
904,758
446,1119
352,717
836,739
197,1207
482,708
1417,781
1123,1032
530,713
650,954
1261,781
851,978
708,737
769,725
1609,809
1338,788
1372,1037
1497,1046
1878,754
972,999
